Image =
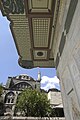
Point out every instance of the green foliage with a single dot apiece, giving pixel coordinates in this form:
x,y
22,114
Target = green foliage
x,y
33,103
1,89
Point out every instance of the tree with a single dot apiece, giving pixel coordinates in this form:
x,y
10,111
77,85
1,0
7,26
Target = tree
x,y
1,101
33,103
1,89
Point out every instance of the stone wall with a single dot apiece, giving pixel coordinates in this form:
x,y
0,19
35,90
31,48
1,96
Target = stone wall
x,y
30,118
67,56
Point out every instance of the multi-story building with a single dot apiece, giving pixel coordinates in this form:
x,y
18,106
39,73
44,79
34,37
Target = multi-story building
x,y
13,88
54,95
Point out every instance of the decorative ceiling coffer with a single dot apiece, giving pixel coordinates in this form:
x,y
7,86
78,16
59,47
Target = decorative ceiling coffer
x,y
31,24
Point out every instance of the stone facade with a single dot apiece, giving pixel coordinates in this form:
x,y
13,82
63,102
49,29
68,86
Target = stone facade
x,y
54,95
14,87
66,49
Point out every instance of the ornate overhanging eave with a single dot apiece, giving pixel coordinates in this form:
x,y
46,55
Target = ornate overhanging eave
x,y
32,30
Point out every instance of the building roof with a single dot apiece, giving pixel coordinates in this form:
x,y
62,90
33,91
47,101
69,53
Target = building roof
x,y
54,90
20,81
24,77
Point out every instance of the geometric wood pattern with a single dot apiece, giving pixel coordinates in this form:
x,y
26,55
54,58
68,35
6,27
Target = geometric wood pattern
x,y
39,5
41,31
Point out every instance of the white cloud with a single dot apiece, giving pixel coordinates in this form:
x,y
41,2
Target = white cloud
x,y
47,83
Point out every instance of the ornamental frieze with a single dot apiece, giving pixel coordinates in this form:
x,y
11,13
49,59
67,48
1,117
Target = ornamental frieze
x,y
12,6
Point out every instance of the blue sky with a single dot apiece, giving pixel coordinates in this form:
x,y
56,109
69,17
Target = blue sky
x,y
9,57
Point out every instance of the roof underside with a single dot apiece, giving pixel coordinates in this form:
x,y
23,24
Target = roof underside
x,y
32,30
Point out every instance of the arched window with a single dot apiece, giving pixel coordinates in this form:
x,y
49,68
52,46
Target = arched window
x,y
9,98
22,86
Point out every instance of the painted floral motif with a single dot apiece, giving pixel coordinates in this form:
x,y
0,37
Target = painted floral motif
x,y
13,6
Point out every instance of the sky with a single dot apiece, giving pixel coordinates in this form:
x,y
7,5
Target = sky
x,y
9,60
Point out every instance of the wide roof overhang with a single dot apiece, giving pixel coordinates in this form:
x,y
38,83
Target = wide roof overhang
x,y
32,26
